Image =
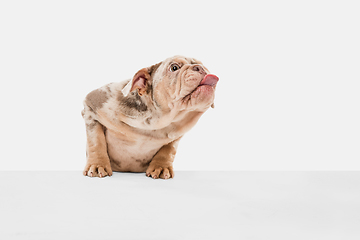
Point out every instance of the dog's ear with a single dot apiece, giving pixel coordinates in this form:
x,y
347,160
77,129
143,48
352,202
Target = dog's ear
x,y
141,81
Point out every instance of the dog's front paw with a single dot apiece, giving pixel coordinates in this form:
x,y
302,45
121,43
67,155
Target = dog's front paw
x,y
97,170
156,171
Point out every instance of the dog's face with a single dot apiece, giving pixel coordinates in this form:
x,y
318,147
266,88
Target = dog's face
x,y
177,83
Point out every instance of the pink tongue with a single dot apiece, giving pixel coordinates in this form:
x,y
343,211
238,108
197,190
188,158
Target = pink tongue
x,y
209,79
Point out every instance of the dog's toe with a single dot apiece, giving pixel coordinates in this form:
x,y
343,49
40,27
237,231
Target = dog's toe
x,y
160,172
96,170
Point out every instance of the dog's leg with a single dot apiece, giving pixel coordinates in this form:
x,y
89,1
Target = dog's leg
x,y
162,163
98,162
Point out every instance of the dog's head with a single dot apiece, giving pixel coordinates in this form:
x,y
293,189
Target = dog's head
x,y
178,83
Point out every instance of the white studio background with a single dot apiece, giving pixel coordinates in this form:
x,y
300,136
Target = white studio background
x,y
288,96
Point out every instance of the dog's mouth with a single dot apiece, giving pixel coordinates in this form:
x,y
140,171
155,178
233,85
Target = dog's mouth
x,y
210,80
207,84
206,88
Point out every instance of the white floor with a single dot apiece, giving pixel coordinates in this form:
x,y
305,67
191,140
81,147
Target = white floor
x,y
193,205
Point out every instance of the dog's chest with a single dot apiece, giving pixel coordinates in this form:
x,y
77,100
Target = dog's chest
x,y
132,152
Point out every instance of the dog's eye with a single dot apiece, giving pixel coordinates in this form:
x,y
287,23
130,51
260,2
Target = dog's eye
x,y
174,67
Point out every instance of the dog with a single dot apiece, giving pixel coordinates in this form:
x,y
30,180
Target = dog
x,y
136,125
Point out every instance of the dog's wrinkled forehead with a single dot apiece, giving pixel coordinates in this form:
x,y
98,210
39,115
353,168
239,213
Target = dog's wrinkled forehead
x,y
182,60
165,65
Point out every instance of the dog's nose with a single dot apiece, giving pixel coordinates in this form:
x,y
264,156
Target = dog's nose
x,y
198,68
